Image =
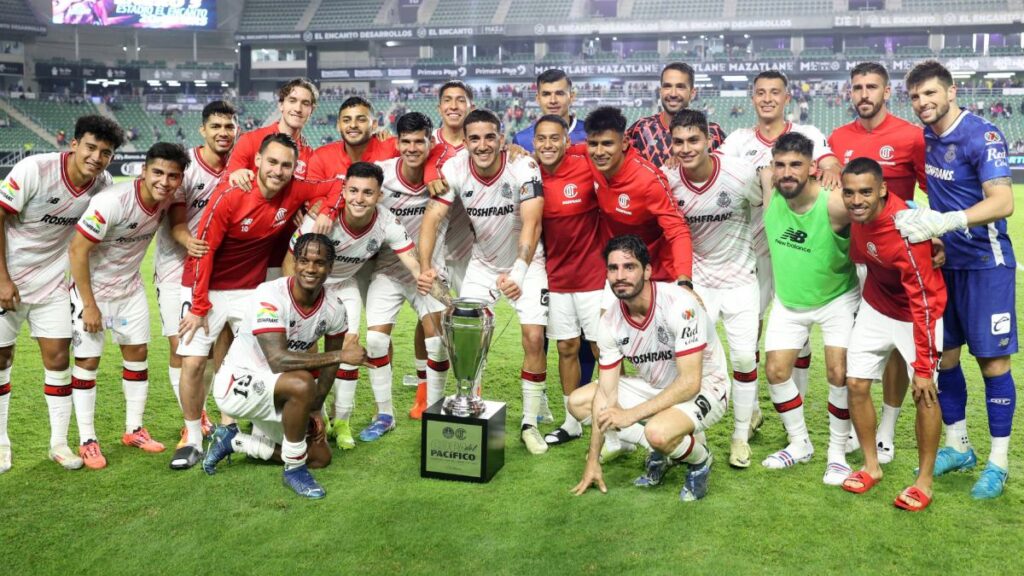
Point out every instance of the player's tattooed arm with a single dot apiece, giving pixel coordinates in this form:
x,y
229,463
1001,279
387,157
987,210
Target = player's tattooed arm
x,y
275,348
411,260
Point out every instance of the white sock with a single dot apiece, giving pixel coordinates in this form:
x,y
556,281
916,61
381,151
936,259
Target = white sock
x,y
790,406
744,399
293,453
956,436
690,451
253,446
58,402
571,424
174,375
83,395
1000,452
5,406
887,424
533,392
437,368
345,391
194,433
135,382
634,434
839,424
380,372
802,369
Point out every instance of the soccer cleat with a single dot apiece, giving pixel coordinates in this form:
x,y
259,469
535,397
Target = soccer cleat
x,y
836,473
886,452
949,459
381,425
140,438
186,457
207,425
756,421
607,455
739,454
416,412
64,456
302,482
91,455
343,434
696,485
5,459
655,467
534,441
788,457
220,447
991,482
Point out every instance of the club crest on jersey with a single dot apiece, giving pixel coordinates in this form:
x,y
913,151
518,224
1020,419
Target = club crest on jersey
x,y
280,215
506,190
950,153
570,191
992,137
373,246
623,201
267,312
664,338
321,328
723,199
259,387
300,167
886,152
873,251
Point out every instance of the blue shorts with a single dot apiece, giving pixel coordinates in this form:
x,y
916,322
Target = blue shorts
x,y
981,311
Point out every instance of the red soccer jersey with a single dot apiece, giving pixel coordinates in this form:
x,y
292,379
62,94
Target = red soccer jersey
x,y
896,144
653,140
331,160
243,155
241,229
901,282
573,232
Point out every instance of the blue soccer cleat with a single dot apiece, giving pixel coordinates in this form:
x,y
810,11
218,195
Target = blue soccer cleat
x,y
696,485
990,484
302,482
381,425
949,459
655,468
220,447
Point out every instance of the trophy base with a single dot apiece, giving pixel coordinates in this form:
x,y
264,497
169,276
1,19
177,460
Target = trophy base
x,y
463,406
468,449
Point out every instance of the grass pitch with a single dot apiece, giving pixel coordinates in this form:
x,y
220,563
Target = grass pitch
x,y
139,517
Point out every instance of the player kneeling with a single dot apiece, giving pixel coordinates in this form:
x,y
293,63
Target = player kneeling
x,y
267,376
682,387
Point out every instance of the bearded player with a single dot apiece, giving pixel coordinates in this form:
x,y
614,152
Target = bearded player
x,y
357,127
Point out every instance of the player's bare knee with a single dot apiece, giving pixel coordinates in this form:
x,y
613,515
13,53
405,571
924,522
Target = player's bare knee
x,y
533,341
777,372
992,367
858,387
581,400
7,357
569,348
58,359
949,359
836,375
134,352
88,363
660,438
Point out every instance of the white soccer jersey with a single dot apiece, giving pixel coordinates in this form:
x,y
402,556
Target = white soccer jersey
x,y
458,232
196,187
271,308
718,212
492,205
353,249
747,143
408,203
676,325
43,207
121,226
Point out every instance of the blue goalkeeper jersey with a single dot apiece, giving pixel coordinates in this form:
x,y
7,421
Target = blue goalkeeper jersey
x,y
957,162
524,137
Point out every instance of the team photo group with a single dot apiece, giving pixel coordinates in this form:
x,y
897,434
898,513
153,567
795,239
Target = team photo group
x,y
609,242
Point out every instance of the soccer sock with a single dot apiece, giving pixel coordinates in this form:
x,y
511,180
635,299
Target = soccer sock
x,y
953,403
839,425
83,395
57,388
380,370
690,450
253,445
744,398
802,369
887,424
174,375
587,362
790,406
436,369
135,382
293,453
533,392
345,391
5,405
634,434
194,433
421,369
1000,401
571,424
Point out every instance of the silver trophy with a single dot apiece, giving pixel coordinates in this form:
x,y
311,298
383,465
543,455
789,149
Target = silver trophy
x,y
468,326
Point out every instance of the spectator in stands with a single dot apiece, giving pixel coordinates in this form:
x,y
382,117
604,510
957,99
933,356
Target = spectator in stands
x,y
5,121
133,134
1009,109
62,138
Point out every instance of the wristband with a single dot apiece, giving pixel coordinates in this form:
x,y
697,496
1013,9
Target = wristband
x,y
518,273
685,284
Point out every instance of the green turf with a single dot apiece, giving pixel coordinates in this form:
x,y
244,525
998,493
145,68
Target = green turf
x,y
138,517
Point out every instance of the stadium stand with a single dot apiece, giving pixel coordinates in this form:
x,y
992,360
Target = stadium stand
x,y
16,136
54,116
18,12
953,5
336,14
537,11
476,12
687,9
268,15
770,8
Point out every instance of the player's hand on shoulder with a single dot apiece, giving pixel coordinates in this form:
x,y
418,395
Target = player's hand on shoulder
x,y
515,152
323,224
197,248
437,187
9,296
510,289
190,323
92,319
242,178
829,178
383,134
592,476
671,162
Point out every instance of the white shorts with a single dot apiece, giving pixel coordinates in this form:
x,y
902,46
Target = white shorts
x,y
532,305
168,300
704,409
789,329
348,292
456,272
249,395
386,296
51,319
126,318
570,313
862,275
765,282
608,297
227,308
874,337
738,309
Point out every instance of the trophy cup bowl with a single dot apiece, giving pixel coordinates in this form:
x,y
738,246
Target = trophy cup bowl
x,y
468,326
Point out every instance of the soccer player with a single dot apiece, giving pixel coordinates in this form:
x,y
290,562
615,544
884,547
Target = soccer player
x,y
898,146
240,228
267,376
359,231
970,194
815,283
105,256
405,194
715,194
770,97
505,204
901,308
573,235
651,136
358,143
555,97
41,199
681,387
455,102
177,234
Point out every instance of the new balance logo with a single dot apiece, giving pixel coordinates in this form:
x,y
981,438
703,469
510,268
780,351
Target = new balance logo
x,y
133,226
798,236
54,200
